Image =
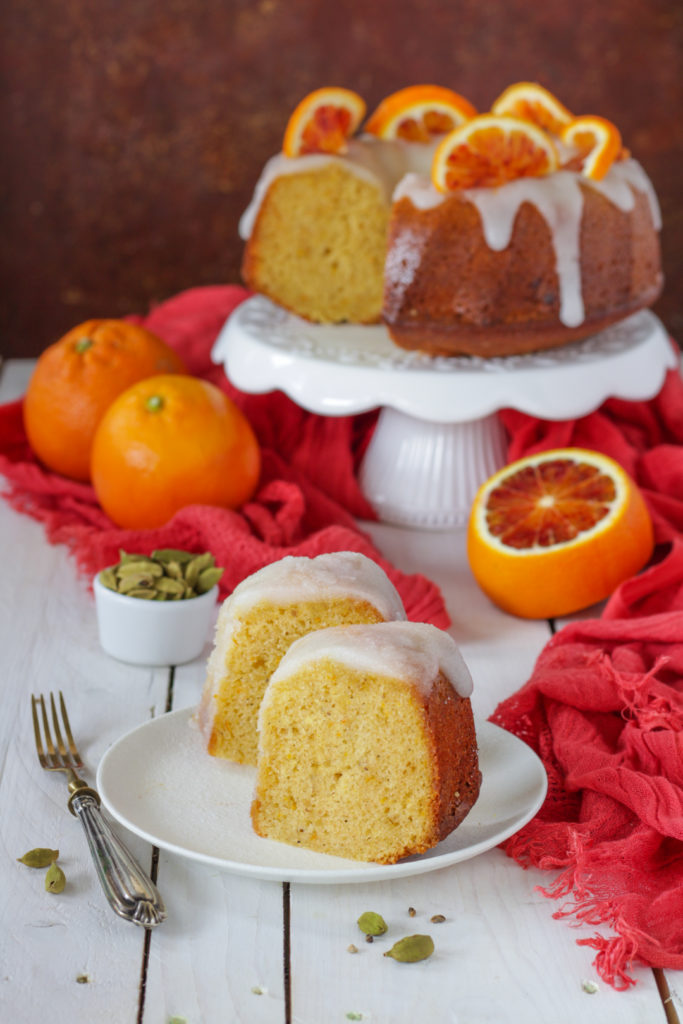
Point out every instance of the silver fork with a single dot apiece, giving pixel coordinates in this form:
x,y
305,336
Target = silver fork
x,y
129,890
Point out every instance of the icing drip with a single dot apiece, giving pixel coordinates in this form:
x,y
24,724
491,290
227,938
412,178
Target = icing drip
x,y
625,178
412,651
559,200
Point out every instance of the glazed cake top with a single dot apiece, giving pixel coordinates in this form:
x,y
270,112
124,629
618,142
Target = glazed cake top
x,y
412,651
296,578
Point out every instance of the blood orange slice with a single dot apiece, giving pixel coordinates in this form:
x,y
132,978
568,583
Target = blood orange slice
x,y
598,142
323,122
556,532
532,102
489,150
419,113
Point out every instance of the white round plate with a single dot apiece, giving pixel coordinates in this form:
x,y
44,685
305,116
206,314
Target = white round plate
x,y
161,784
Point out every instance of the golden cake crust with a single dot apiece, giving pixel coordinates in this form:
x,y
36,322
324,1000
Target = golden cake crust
x,y
464,298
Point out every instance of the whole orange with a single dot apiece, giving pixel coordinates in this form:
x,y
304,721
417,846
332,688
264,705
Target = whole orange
x,y
172,441
76,380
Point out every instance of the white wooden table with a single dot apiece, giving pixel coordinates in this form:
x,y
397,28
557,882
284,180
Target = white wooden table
x,y
234,950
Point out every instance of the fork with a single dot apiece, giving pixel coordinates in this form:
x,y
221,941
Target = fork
x,y
131,893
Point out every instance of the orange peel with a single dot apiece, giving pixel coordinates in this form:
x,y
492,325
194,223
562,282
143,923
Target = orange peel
x,y
598,141
419,113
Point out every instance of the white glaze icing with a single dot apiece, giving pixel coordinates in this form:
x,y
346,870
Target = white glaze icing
x,y
411,651
559,199
291,580
378,161
338,574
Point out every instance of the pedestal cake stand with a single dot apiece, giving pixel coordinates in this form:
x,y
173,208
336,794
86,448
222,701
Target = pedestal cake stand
x,y
438,436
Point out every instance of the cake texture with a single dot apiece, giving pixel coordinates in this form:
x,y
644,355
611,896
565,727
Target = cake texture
x,y
365,235
367,747
261,618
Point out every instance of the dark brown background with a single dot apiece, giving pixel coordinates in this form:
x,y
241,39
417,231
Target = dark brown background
x,y
134,130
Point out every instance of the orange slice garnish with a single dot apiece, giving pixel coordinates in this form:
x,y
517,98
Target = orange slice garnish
x,y
419,113
532,102
556,532
323,122
598,142
488,151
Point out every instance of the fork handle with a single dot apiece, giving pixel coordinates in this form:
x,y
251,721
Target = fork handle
x,y
131,893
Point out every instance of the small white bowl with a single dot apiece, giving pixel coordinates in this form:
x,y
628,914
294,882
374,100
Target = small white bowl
x,y
153,632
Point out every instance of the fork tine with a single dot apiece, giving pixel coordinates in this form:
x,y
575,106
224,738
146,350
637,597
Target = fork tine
x,y
59,742
67,728
51,752
37,733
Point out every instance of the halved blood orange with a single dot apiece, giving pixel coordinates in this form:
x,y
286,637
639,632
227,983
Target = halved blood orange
x,y
419,113
489,150
556,532
598,142
323,122
532,102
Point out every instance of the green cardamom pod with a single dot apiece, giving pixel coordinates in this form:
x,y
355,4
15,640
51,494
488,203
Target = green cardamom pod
x,y
169,586
172,555
108,579
148,567
207,579
55,879
411,949
41,857
197,565
371,923
146,593
174,570
125,558
135,581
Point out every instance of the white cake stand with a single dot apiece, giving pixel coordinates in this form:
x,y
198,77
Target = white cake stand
x,y
437,437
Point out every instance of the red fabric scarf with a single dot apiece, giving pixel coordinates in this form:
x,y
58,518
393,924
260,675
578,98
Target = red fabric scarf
x,y
604,710
604,706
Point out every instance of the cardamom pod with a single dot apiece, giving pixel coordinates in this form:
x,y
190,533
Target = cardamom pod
x,y
172,555
147,568
165,585
109,579
207,579
41,857
411,949
135,580
197,565
55,879
371,923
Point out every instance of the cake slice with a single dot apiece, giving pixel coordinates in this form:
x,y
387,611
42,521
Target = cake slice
x,y
367,748
263,616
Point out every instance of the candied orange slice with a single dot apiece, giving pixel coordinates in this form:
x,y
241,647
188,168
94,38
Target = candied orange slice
x,y
489,151
598,142
532,102
419,113
323,122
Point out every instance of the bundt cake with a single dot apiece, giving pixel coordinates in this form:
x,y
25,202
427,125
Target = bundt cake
x,y
261,618
537,256
367,747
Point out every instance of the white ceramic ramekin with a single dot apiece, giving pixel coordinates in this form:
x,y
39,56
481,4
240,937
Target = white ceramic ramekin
x,y
153,632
